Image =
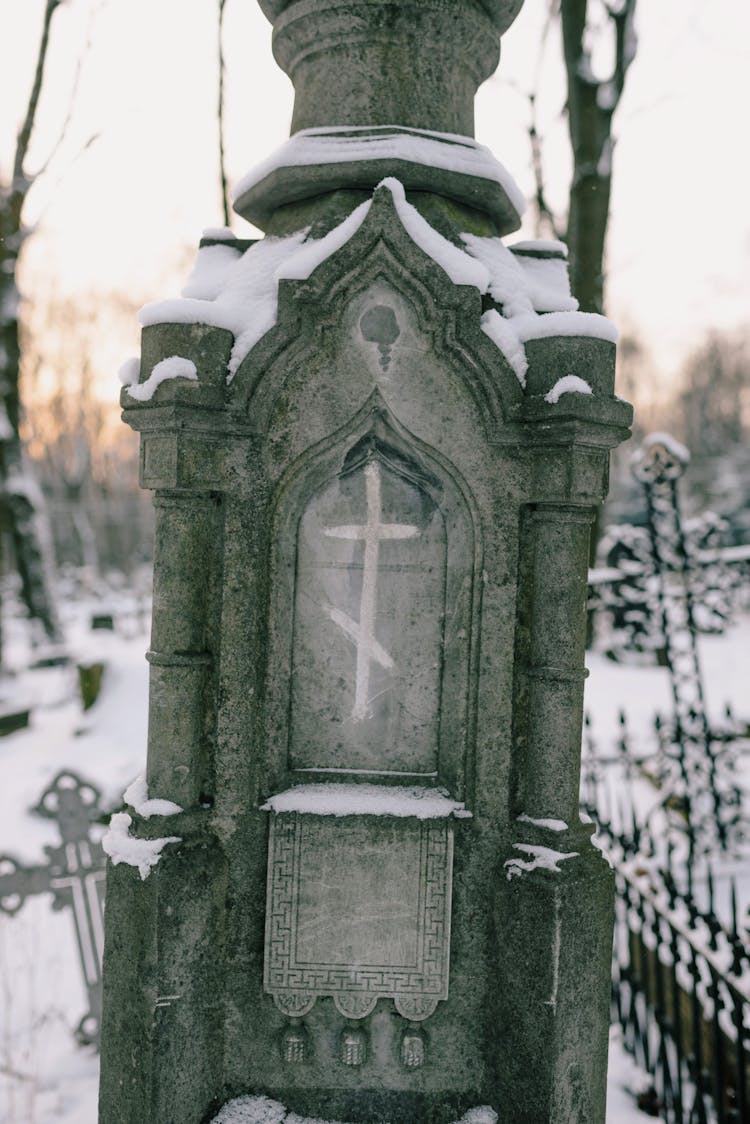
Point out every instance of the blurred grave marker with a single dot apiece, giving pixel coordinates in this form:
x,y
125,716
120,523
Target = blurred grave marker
x,y
74,874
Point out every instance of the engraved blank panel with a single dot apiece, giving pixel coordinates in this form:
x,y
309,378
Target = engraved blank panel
x,y
358,901
334,927
395,685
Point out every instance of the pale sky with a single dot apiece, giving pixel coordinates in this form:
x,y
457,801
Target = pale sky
x,y
122,215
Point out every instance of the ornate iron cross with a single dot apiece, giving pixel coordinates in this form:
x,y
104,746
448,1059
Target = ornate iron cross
x,y
74,874
702,768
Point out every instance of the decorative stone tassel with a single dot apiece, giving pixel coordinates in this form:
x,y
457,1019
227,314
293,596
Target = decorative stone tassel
x,y
353,1045
412,1047
294,1043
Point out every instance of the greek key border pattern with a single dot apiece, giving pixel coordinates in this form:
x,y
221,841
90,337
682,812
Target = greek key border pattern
x,y
429,978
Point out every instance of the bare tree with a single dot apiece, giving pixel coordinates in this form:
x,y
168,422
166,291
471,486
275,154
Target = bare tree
x,y
22,510
222,161
20,500
591,104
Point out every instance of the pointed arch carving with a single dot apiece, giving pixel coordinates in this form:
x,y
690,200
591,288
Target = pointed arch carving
x,y
373,632
309,312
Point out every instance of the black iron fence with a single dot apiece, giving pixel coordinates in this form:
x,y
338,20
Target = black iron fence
x,y
680,982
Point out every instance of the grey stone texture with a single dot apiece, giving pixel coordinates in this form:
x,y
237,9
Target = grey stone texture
x,y
390,62
265,674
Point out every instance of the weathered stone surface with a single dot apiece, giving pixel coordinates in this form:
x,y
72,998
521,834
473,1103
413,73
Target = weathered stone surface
x,y
371,566
358,62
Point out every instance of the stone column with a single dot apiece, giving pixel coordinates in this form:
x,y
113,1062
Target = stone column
x,y
557,545
357,62
185,532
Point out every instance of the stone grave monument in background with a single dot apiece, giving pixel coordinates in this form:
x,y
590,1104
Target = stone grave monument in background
x,y
358,884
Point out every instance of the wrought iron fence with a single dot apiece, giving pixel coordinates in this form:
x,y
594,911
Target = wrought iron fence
x,y
680,982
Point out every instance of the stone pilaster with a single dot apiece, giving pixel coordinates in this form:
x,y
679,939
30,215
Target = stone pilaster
x,y
556,553
186,527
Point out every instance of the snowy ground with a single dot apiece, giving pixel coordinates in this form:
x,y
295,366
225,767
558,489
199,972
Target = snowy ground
x,y
45,1078
644,691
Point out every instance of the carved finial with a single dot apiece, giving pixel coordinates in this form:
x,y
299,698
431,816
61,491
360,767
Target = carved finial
x,y
413,1047
353,1045
295,1044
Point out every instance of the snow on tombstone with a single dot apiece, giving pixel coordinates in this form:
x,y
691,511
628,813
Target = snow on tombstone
x,y
354,884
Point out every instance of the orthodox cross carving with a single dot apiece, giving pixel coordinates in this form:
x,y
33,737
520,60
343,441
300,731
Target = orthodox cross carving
x,y
371,533
74,874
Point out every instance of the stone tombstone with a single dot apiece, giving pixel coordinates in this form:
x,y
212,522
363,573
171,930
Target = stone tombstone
x,y
376,439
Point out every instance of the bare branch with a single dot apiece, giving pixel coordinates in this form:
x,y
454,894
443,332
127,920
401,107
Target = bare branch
x,y
626,42
73,94
553,11
60,177
222,163
544,211
20,182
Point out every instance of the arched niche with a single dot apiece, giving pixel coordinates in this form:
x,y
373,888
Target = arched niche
x,y
372,632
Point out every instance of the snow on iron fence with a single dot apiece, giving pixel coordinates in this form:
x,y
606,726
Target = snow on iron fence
x,y
680,986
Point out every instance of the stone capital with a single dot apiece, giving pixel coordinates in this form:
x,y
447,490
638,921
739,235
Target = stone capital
x,y
388,62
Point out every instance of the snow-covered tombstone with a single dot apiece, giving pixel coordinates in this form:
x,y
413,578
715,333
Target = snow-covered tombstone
x,y
376,439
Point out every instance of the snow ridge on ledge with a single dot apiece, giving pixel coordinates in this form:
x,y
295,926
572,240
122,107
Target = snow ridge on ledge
x,y
122,847
136,795
175,367
568,384
239,291
263,1110
366,799
343,144
540,858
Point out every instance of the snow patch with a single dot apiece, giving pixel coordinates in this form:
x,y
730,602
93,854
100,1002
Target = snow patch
x,y
175,367
7,432
262,1110
366,799
317,250
587,324
607,96
670,443
459,266
130,370
341,144
540,858
239,291
506,340
568,384
251,1110
539,245
122,847
547,284
604,164
136,795
210,272
505,284
247,304
550,825
220,233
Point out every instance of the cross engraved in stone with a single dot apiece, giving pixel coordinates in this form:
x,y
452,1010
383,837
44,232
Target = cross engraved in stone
x,y
372,533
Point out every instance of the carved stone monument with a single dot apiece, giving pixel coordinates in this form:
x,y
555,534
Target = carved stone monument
x,y
377,438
